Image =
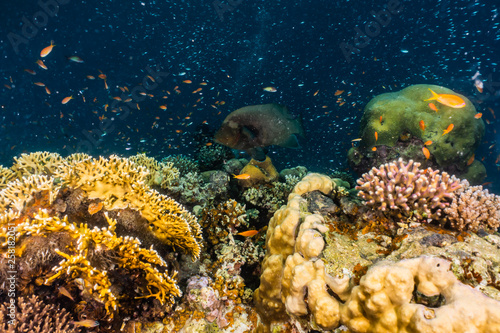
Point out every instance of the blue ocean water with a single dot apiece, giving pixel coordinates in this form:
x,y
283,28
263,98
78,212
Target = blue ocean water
x,y
307,50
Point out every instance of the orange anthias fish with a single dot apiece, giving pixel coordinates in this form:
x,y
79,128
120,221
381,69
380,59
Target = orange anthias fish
x,y
428,142
433,107
248,233
448,129
338,92
374,149
45,52
242,176
450,100
270,89
41,64
86,323
471,159
478,115
426,152
376,136
66,99
422,125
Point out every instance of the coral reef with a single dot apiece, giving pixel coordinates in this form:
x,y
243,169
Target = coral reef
x,y
316,274
259,172
160,174
37,163
182,163
405,192
396,118
120,184
403,189
222,220
33,316
473,208
272,196
213,157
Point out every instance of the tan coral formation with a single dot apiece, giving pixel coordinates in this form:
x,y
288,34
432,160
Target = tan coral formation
x,y
295,282
382,301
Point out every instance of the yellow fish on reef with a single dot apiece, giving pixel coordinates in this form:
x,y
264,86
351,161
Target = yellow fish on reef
x,y
242,176
453,101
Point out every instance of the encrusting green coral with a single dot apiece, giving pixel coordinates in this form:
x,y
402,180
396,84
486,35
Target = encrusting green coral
x,y
403,121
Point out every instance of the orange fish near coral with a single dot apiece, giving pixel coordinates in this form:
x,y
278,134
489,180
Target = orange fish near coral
x,y
448,129
95,207
374,149
86,323
426,152
471,159
422,125
428,142
248,233
242,176
376,136
45,52
453,101
433,107
66,99
478,115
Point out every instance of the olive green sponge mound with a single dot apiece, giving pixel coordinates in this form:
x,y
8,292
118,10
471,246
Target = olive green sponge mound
x,y
402,112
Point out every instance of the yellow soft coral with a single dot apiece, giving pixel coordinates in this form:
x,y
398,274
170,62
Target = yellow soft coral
x,y
6,175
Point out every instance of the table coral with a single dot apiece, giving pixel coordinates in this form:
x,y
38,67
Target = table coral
x,y
396,116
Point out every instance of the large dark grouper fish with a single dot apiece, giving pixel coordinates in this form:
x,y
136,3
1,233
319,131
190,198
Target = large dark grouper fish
x,y
256,126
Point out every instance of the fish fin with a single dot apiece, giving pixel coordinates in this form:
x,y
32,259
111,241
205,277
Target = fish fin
x,y
257,153
291,142
434,96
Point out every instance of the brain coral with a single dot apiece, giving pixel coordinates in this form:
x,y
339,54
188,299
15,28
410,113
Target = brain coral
x,y
396,116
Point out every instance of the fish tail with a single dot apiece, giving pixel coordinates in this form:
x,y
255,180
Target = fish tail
x,y
434,96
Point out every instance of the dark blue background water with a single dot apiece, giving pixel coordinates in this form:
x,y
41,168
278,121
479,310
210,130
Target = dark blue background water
x,y
238,49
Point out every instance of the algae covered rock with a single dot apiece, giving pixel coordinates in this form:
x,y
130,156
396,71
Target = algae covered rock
x,y
404,120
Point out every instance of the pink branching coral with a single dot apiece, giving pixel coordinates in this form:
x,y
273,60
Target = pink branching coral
x,y
473,208
405,190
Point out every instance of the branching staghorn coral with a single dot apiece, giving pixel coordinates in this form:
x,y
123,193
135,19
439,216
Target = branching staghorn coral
x,y
403,189
473,208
